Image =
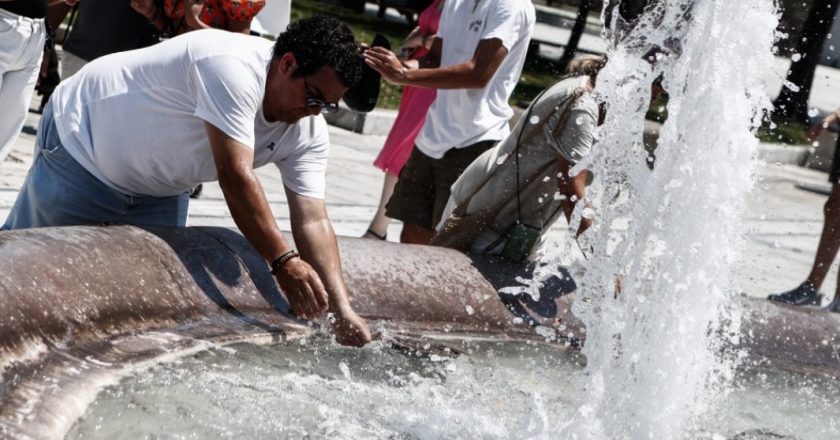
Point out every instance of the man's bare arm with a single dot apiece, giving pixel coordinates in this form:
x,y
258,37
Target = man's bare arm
x,y
252,214
315,238
473,74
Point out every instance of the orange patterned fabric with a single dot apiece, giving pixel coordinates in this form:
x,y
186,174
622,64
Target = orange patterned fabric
x,y
215,13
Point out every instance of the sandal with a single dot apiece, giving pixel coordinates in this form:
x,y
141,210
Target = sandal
x,y
370,234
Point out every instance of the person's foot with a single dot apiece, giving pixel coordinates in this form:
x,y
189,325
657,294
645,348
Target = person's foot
x,y
373,235
803,295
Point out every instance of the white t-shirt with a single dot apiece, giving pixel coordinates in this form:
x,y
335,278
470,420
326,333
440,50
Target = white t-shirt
x,y
135,119
462,117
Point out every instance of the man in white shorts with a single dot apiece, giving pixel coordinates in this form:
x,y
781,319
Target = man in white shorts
x,y
475,62
125,139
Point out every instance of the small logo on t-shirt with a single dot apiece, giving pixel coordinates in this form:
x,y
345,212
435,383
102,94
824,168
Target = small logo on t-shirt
x,y
270,146
475,25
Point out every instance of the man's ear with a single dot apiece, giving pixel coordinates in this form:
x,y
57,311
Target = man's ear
x,y
287,62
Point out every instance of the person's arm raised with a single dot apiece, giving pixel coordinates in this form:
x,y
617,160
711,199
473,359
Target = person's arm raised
x,y
472,74
252,214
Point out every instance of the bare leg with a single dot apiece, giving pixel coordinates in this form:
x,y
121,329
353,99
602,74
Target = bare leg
x,y
829,240
807,293
379,223
413,234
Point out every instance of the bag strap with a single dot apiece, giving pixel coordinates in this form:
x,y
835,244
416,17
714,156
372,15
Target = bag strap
x,y
461,209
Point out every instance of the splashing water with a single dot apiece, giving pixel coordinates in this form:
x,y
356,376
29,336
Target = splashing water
x,y
663,351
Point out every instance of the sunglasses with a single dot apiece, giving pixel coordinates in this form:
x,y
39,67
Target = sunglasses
x,y
320,104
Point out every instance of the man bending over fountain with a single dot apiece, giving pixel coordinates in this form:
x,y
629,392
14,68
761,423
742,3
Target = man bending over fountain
x,y
507,199
126,138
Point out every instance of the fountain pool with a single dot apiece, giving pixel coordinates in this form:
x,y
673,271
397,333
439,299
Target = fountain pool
x,y
310,388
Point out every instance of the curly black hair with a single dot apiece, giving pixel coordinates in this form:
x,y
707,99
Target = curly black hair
x,y
321,40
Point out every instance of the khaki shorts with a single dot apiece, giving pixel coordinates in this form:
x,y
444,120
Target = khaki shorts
x,y
423,186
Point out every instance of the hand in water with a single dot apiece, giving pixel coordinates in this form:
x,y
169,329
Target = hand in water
x,y
350,329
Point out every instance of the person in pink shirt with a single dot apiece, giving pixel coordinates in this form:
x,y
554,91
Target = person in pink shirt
x,y
414,104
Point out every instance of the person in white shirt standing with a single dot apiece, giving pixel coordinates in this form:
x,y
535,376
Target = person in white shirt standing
x,y
124,140
475,62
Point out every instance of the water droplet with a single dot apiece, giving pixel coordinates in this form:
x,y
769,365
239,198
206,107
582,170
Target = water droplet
x,y
793,87
579,120
813,112
546,332
345,370
796,57
534,119
469,310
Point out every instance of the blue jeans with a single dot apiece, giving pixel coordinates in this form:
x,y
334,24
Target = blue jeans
x,y
60,192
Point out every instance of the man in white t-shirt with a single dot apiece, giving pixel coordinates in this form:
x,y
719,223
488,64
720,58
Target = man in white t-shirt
x,y
475,62
125,139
